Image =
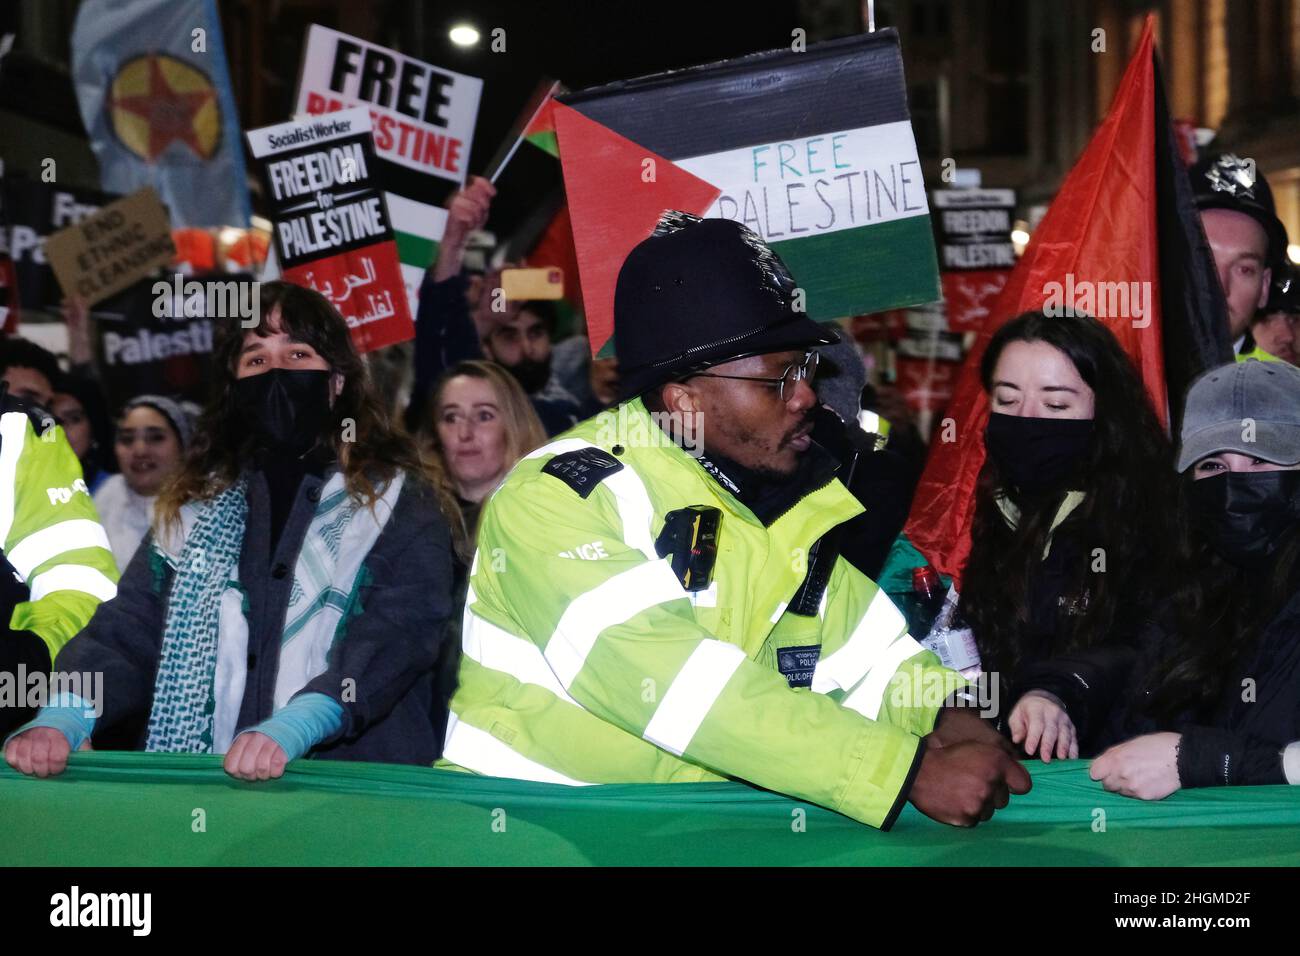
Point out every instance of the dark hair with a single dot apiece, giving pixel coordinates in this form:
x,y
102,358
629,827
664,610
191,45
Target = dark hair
x,y
544,310
18,352
1130,509
88,395
222,443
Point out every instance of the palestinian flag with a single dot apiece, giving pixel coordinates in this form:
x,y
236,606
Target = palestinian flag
x,y
1123,223
814,151
418,229
534,124
540,129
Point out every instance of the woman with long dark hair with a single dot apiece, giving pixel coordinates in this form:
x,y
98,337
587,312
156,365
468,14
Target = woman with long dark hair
x,y
1211,694
1075,530
291,596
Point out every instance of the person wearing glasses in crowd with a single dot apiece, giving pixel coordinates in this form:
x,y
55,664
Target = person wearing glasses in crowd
x,y
657,595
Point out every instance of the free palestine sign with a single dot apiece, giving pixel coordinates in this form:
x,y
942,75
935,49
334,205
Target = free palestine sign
x,y
812,150
330,224
423,118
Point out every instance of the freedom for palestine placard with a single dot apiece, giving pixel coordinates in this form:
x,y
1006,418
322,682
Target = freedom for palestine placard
x,y
812,150
330,222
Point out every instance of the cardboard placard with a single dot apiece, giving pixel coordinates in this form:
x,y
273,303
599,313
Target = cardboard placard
x,y
974,228
32,210
330,226
157,336
423,114
104,253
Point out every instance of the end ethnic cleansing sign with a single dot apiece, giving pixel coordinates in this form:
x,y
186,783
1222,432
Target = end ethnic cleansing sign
x,y
330,223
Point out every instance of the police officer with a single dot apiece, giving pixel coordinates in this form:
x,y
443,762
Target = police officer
x,y
1246,237
657,596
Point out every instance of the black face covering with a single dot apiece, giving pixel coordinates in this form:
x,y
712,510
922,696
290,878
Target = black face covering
x,y
287,409
532,375
1038,454
1246,514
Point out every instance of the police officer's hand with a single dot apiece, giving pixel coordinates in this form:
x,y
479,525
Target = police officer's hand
x,y
42,751
964,783
1039,723
255,756
957,724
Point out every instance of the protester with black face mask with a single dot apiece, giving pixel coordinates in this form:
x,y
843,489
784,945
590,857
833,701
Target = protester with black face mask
x,y
1212,694
1075,529
521,344
291,595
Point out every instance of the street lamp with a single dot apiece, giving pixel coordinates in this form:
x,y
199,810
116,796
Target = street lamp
x,y
463,35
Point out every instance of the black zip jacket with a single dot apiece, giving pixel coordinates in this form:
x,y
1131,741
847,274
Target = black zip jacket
x,y
1239,742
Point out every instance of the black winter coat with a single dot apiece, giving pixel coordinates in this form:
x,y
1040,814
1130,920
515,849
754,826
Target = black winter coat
x,y
1238,742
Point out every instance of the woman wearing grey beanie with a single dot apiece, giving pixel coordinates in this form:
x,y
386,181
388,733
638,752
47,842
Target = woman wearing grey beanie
x,y
152,434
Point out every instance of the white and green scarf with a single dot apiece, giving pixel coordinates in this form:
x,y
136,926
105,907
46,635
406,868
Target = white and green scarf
x,y
203,666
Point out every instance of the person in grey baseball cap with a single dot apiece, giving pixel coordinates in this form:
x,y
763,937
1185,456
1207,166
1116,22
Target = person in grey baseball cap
x,y
1219,699
1242,429
1211,694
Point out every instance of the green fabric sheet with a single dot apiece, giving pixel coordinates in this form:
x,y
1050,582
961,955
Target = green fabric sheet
x,y
116,809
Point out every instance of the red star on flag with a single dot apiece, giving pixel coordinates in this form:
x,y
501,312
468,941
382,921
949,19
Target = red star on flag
x,y
169,112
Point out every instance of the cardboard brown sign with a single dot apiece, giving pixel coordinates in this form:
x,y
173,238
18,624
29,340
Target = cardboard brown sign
x,y
103,254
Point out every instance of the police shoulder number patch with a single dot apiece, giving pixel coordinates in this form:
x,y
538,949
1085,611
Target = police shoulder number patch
x,y
584,469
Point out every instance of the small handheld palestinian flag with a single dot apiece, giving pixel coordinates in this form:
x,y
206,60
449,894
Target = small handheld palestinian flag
x,y
812,150
535,123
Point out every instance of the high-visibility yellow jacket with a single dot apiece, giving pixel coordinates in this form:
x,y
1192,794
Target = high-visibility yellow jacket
x,y
50,529
586,661
1257,353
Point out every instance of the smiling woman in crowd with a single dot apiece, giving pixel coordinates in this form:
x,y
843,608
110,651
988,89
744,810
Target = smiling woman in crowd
x,y
291,596
1075,529
152,435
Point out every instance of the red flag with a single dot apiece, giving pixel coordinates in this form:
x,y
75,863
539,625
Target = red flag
x,y
555,248
607,162
1101,229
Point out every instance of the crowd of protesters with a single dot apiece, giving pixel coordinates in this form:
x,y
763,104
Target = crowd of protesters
x,y
295,559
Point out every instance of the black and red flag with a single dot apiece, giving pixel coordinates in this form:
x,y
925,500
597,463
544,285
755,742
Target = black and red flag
x,y
1123,222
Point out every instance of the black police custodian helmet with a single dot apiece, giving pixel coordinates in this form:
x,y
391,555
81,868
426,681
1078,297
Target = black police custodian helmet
x,y
699,292
1224,181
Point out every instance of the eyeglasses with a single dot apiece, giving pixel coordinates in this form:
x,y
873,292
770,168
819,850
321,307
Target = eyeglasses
x,y
790,378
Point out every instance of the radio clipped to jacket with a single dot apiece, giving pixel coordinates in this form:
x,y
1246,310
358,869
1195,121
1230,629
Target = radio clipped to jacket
x,y
690,535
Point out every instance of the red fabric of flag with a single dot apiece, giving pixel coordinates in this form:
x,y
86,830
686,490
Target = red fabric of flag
x,y
604,231
1099,231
